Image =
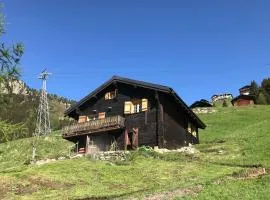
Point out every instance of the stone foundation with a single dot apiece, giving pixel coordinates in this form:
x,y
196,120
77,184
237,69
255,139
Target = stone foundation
x,y
110,155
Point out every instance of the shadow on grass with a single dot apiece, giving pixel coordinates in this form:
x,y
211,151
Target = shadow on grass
x,y
238,165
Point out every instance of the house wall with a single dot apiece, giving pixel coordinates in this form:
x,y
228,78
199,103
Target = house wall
x,y
125,93
164,124
243,102
104,140
144,121
175,124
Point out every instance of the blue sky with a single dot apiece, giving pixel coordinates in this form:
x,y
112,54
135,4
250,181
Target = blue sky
x,y
197,47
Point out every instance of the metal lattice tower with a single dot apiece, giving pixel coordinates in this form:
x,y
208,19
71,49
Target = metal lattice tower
x,y
43,126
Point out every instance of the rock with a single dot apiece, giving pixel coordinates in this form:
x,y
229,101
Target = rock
x,y
163,150
203,110
220,151
110,155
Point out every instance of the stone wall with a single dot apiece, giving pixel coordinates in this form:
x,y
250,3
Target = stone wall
x,y
110,155
204,110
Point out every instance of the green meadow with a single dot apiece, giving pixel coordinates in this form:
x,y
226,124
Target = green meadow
x,y
234,149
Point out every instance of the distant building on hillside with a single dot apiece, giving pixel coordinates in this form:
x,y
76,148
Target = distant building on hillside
x,y
200,104
245,90
245,98
221,97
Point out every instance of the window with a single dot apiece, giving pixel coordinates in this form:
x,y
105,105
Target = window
x,y
128,109
189,127
135,106
83,119
101,115
144,104
192,129
110,95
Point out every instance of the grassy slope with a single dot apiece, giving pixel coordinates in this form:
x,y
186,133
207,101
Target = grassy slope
x,y
14,154
243,130
246,133
234,138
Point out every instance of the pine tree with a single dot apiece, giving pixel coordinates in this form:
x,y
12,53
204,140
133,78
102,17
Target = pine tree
x,y
9,60
254,90
266,89
9,71
261,99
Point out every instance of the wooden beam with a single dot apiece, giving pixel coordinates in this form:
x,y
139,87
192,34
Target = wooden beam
x,y
197,135
157,117
125,139
78,111
87,144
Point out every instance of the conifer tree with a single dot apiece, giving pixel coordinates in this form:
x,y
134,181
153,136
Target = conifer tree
x,y
9,71
261,99
254,90
265,88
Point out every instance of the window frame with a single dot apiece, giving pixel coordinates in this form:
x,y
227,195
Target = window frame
x,y
110,95
136,106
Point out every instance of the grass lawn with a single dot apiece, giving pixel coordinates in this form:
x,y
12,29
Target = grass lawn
x,y
14,154
234,140
237,189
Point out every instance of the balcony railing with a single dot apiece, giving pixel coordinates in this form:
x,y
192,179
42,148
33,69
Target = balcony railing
x,y
99,125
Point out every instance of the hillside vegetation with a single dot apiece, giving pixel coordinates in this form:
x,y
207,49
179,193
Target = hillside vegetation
x,y
15,155
234,149
20,107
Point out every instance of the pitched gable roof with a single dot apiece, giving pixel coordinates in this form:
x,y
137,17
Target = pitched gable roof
x,y
244,96
201,103
161,88
245,87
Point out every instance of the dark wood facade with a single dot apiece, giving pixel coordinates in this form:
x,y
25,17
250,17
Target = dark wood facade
x,y
243,100
167,121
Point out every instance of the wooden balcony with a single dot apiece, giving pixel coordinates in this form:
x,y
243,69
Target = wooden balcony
x,y
94,126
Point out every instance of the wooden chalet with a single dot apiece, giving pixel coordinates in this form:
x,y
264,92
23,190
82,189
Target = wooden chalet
x,y
246,90
201,104
128,113
245,98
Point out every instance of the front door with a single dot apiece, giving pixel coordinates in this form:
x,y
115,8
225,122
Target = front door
x,y
131,139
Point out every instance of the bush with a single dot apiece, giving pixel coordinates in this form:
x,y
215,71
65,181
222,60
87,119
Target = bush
x,y
148,152
144,151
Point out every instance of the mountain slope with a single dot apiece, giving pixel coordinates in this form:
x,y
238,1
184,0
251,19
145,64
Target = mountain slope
x,y
21,105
